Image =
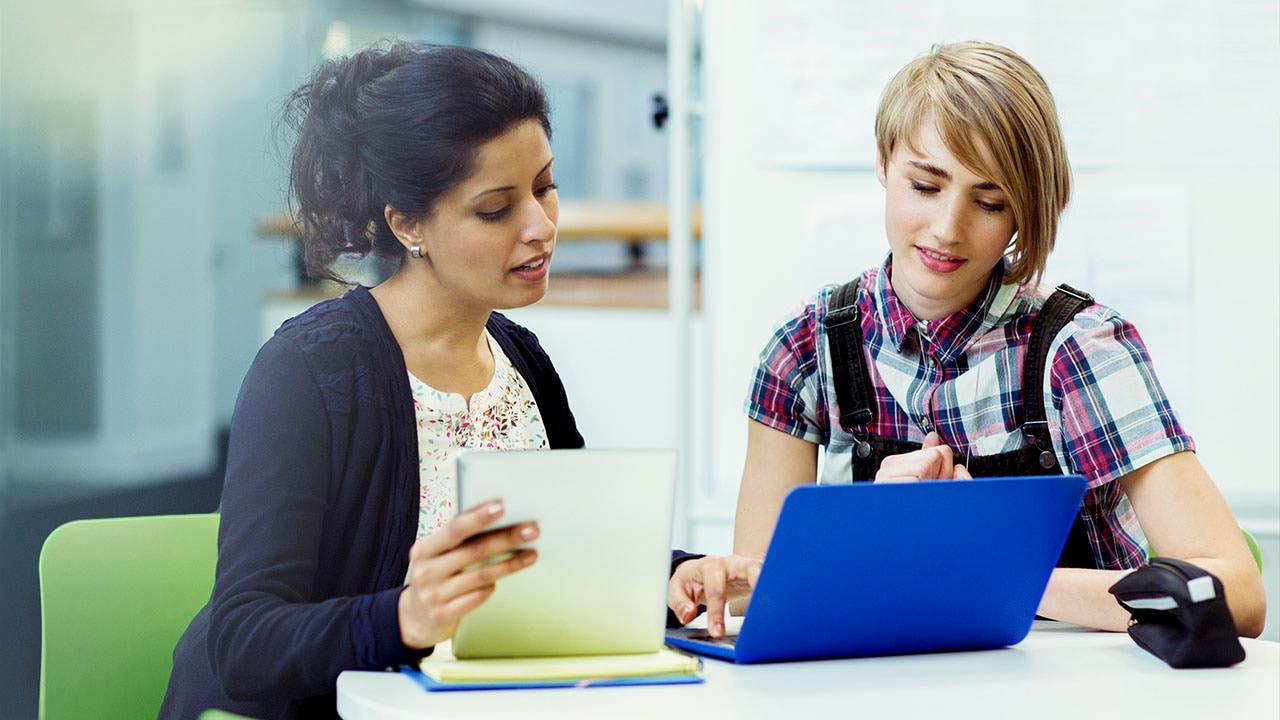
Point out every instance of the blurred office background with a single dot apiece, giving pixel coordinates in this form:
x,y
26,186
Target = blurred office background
x,y
140,268
143,258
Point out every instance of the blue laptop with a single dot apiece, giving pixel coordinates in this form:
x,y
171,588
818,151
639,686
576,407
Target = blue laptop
x,y
866,569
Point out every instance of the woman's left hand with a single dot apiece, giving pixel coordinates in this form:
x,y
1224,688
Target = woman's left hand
x,y
712,581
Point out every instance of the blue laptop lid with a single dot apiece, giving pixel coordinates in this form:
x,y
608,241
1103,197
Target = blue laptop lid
x,y
882,569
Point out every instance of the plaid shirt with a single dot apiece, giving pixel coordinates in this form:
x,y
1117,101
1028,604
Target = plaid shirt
x,y
961,376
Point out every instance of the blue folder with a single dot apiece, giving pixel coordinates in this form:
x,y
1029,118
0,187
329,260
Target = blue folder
x,y
433,685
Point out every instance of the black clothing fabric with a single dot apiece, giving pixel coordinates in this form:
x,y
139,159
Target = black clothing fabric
x,y
319,510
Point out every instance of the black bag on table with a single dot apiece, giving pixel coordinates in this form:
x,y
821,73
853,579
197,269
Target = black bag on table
x,y
1179,614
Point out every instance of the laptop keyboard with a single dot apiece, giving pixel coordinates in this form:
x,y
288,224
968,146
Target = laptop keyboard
x,y
728,640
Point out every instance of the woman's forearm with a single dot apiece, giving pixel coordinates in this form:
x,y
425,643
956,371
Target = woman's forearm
x,y
1080,596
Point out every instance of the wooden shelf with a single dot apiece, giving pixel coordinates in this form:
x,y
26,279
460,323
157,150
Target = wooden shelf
x,y
629,222
635,224
641,289
282,225
644,289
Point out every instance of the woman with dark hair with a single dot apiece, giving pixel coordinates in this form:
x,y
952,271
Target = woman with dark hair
x,y
438,156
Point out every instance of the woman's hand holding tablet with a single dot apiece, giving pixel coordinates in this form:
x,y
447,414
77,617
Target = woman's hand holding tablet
x,y
453,570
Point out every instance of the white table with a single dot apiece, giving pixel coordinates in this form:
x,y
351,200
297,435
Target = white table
x,y
1058,671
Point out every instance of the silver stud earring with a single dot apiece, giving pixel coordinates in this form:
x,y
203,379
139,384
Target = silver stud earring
x,y
416,251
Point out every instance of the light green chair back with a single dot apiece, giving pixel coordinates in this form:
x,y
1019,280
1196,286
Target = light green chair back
x,y
115,596
1249,540
222,715
1252,542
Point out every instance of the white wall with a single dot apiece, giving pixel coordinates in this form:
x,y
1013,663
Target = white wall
x,y
139,430
621,80
6,298
634,21
183,93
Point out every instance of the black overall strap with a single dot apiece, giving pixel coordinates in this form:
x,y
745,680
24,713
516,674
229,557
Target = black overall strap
x,y
853,390
1057,311
848,365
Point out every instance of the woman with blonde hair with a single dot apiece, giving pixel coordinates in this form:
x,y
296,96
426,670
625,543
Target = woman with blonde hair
x,y
949,361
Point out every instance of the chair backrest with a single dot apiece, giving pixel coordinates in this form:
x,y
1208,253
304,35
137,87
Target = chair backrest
x,y
115,596
222,715
1252,542
1249,540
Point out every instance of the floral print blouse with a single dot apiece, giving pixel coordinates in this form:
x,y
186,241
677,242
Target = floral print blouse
x,y
502,416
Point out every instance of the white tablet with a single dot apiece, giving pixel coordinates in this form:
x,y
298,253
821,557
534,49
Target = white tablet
x,y
604,551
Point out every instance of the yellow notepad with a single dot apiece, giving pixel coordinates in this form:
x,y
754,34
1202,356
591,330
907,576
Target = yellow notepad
x,y
442,666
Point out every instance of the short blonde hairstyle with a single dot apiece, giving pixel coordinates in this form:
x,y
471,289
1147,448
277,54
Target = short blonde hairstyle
x,y
996,114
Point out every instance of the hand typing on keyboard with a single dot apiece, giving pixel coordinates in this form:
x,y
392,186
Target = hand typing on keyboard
x,y
711,581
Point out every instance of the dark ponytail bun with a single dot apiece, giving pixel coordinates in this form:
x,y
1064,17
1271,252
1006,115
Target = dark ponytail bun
x,y
398,126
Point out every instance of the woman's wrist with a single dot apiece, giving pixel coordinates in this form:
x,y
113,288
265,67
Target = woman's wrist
x,y
412,635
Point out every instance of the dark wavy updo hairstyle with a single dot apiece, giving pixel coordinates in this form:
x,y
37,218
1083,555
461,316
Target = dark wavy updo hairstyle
x,y
397,126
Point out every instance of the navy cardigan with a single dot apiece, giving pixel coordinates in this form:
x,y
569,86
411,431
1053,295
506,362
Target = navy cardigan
x,y
319,509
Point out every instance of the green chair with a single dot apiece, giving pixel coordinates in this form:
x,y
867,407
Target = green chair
x,y
1252,542
221,715
115,595
1248,540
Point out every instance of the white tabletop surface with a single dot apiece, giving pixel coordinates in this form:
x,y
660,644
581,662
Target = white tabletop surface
x,y
1058,671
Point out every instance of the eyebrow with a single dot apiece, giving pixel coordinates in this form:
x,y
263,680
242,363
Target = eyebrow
x,y
939,172
505,188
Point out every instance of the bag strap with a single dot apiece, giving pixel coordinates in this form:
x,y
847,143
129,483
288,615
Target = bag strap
x,y
848,364
1057,311
844,335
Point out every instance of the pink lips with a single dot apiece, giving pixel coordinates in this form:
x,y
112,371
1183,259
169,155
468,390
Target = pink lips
x,y
951,264
533,274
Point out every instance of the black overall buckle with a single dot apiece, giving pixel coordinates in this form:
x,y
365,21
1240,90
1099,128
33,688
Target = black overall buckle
x,y
840,316
1078,294
851,420
1039,437
1041,425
